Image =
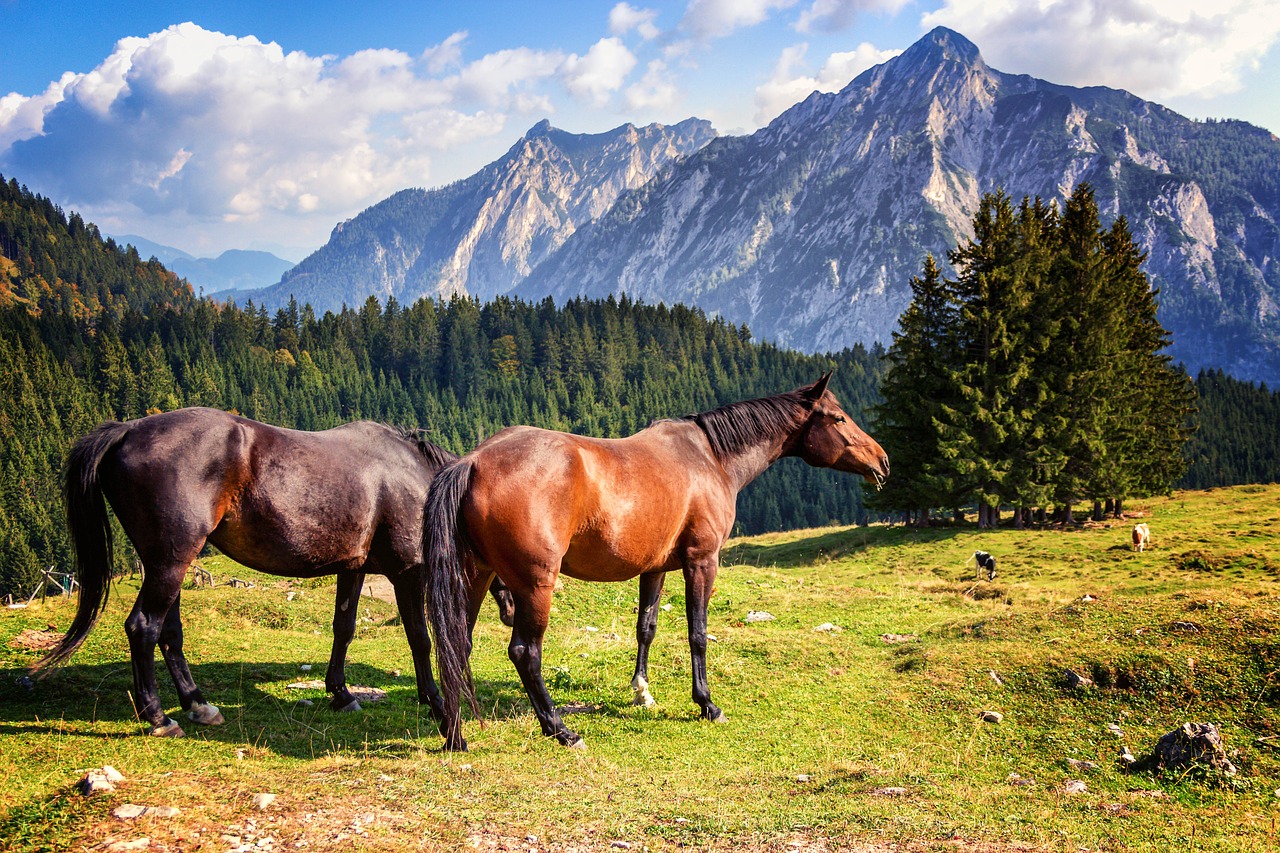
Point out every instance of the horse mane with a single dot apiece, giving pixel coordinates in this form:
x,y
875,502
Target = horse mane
x,y
436,455
737,426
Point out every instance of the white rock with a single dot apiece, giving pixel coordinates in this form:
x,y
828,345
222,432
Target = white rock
x,y
1074,786
827,627
759,616
113,775
991,717
262,801
306,667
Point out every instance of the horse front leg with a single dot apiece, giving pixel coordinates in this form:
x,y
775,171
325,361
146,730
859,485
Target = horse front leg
x,y
533,610
189,695
410,602
646,627
699,578
346,608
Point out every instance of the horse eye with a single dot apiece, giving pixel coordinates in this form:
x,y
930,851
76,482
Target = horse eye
x,y
839,419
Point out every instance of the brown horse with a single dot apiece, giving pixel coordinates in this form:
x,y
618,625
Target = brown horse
x,y
528,504
345,501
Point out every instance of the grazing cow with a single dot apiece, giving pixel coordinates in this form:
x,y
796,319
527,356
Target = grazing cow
x,y
1141,537
985,561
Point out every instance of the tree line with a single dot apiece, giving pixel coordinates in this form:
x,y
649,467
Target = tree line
x,y
89,331
1035,378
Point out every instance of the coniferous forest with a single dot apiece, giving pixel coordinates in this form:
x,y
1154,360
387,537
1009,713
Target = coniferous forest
x,y
89,331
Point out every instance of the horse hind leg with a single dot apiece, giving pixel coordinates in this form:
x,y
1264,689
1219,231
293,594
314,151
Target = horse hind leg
x,y
646,627
346,607
532,614
189,695
144,627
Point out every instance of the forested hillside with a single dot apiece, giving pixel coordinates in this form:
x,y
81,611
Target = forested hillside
x,y
89,332
458,369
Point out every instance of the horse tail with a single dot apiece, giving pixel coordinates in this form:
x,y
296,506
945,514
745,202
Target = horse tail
x,y
91,536
448,598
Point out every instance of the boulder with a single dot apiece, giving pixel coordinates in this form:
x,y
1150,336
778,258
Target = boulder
x,y
1193,744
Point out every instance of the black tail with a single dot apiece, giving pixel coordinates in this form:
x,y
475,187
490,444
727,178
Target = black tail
x,y
448,598
90,535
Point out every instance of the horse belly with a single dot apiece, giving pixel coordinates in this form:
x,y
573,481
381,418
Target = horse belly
x,y
295,541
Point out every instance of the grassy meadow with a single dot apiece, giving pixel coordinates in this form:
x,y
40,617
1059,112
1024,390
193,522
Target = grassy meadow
x,y
835,740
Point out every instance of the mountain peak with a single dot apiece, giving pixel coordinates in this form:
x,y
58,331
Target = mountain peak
x,y
942,45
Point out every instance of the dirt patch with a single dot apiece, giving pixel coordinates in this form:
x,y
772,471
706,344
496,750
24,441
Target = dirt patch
x,y
380,588
36,639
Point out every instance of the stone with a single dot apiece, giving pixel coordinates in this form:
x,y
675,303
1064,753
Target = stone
x,y
127,846
999,682
991,716
892,791
620,845
132,811
263,801
1193,744
114,776
803,777
827,628
306,667
893,639
1115,730
1127,758
1074,786
759,616
95,782
1076,681
1081,766
1186,627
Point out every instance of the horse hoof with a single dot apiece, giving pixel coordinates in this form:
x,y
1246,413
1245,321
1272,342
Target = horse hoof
x,y
206,715
455,746
719,717
644,700
169,728
353,705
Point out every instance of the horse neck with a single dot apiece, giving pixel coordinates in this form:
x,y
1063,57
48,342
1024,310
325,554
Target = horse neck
x,y
750,462
746,456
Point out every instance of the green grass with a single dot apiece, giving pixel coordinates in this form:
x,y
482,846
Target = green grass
x,y
819,723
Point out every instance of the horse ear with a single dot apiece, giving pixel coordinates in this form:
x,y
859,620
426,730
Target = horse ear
x,y
815,391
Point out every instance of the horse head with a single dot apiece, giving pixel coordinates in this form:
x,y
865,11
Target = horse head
x,y
831,439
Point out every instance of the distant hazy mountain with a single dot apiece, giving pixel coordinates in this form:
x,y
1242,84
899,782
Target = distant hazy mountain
x,y
482,235
810,229
234,269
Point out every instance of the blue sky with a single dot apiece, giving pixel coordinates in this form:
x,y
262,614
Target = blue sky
x,y
236,125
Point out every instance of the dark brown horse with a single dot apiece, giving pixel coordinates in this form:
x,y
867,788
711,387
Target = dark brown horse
x,y
346,501
528,504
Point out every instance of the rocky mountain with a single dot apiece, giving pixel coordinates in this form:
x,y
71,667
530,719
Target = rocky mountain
x,y
482,235
809,229
234,269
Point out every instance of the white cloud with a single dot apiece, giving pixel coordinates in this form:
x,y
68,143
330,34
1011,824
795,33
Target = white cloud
x,y
497,79
835,15
657,90
790,84
623,18
600,73
1154,48
715,18
448,54
187,128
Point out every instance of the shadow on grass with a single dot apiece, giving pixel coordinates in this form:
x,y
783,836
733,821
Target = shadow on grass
x,y
94,701
836,544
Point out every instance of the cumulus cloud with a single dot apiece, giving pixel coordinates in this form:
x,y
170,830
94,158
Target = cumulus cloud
x,y
600,73
656,90
1154,48
198,127
716,18
789,83
624,18
831,16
